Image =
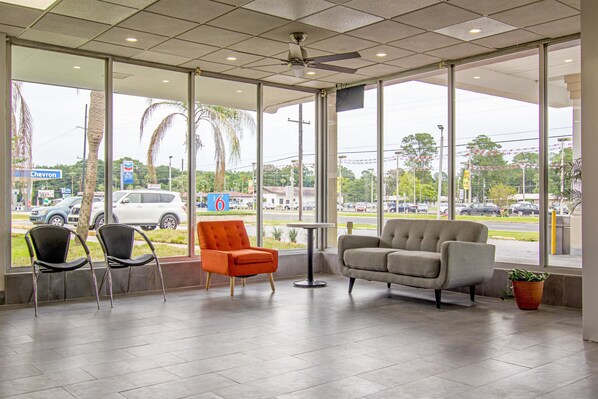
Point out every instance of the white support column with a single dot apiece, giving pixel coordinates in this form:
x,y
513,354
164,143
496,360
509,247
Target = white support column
x,y
5,169
329,119
589,150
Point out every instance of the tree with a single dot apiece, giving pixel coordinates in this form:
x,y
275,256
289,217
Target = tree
x,y
500,194
488,163
225,123
21,125
419,149
95,134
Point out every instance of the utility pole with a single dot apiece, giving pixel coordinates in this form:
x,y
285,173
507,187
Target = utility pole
x,y
523,165
440,170
170,173
397,153
340,178
292,184
300,122
371,186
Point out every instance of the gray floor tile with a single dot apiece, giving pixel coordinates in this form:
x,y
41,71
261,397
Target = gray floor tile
x,y
428,388
347,388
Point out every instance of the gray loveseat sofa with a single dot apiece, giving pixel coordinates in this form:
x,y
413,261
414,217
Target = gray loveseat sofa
x,y
436,254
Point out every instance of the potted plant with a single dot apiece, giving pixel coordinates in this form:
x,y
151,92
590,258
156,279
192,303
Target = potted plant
x,y
527,287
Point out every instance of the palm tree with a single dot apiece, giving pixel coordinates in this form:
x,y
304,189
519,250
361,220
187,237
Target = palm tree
x,y
21,124
226,124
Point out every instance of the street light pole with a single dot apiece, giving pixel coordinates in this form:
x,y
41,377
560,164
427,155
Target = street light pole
x,y
340,177
397,153
440,170
170,173
371,186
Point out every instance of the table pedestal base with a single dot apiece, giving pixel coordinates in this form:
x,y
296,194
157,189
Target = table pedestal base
x,y
309,284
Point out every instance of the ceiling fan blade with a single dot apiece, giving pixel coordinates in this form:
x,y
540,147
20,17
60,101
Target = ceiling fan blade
x,y
295,51
333,68
335,57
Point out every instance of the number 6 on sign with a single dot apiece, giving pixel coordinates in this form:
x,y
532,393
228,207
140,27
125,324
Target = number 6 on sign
x,y
218,202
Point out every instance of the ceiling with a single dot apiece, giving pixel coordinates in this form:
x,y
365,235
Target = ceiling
x,y
203,33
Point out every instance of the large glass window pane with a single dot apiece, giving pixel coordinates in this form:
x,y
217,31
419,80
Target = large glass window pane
x,y
357,180
564,147
289,190
226,138
415,114
497,146
57,143
150,155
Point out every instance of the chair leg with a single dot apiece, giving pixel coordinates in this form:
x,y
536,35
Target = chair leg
x,y
437,295
271,278
65,279
232,286
351,284
208,280
472,293
103,278
95,287
129,280
161,278
110,286
244,282
34,293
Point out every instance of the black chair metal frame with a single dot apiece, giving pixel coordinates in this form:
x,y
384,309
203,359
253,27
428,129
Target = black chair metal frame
x,y
118,254
48,247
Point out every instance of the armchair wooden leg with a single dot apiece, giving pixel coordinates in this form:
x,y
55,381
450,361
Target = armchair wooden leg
x,y
232,286
208,281
271,278
244,281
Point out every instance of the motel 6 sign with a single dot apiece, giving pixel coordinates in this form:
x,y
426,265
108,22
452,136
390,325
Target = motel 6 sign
x,y
218,202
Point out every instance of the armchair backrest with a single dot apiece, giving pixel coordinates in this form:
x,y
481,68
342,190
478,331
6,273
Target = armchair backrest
x,y
51,243
223,235
117,240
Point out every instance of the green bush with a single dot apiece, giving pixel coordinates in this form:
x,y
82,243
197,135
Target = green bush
x,y
293,235
277,234
526,275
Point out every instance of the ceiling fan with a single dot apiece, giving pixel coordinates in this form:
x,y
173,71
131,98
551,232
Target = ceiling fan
x,y
298,60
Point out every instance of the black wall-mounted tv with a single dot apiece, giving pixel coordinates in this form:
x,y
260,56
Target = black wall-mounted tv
x,y
350,98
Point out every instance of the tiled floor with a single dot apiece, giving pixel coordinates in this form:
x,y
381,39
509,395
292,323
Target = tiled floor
x,y
296,343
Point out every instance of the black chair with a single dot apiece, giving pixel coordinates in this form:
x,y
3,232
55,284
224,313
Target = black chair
x,y
117,241
48,249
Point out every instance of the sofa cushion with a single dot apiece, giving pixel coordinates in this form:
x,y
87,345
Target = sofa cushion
x,y
414,263
367,258
247,256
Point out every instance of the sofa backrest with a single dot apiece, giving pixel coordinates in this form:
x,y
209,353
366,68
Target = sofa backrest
x,y
223,235
428,235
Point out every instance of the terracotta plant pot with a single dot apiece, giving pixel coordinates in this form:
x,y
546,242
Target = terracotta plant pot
x,y
528,294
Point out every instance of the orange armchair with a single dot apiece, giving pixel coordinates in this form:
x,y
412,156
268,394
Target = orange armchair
x,y
225,249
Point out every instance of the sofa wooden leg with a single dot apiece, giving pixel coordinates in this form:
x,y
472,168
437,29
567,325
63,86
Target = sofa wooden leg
x,y
232,286
271,278
244,282
351,284
472,292
208,280
387,285
437,295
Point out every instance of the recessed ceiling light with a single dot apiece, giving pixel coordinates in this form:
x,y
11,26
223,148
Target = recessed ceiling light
x,y
568,60
231,58
239,91
381,54
166,81
39,4
310,73
475,30
76,67
476,77
132,39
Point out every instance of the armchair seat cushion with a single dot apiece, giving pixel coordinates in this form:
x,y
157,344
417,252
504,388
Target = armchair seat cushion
x,y
374,259
414,263
46,267
249,256
140,260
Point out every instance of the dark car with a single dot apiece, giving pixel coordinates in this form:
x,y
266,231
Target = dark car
x,y
481,210
57,214
403,208
526,209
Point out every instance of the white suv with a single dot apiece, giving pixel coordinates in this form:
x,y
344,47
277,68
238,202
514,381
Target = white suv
x,y
145,208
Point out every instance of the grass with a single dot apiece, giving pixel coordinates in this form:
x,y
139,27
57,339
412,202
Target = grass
x,y
235,212
388,215
529,236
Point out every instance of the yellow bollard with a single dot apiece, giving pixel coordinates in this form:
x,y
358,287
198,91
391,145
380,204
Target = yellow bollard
x,y
553,233
349,227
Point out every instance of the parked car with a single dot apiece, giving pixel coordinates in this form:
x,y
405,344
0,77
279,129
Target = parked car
x,y
403,208
309,206
525,209
422,208
556,206
481,210
57,214
458,208
269,205
360,207
201,204
146,208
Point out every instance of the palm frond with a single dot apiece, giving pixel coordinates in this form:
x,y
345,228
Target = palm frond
x,y
156,140
152,109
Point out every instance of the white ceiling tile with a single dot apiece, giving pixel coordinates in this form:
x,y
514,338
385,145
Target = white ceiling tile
x,y
507,39
236,3
93,10
437,16
378,70
573,3
157,24
108,48
342,44
425,42
247,21
562,27
268,65
11,30
487,7
385,31
184,48
354,63
289,9
213,36
131,3
207,66
248,73
221,55
69,26
18,16
314,33
341,19
258,45
118,36
285,79
53,38
318,74
162,58
487,25
392,53
414,61
390,8
344,78
459,51
536,13
199,11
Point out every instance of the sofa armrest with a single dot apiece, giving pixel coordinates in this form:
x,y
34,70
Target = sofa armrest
x,y
465,263
348,241
214,261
